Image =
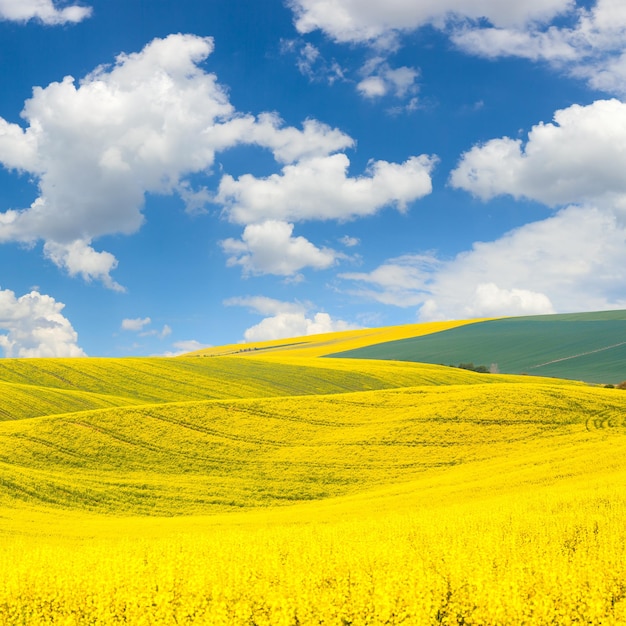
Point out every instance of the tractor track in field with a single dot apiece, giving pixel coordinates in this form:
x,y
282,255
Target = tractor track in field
x,y
575,356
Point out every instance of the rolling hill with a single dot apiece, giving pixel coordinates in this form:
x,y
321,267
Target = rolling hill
x,y
267,485
201,457
580,346
327,343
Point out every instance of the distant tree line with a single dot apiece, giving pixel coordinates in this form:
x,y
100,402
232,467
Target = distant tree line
x,y
481,369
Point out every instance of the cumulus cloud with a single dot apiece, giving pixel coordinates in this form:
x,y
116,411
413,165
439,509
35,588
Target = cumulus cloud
x,y
572,261
491,301
320,188
591,46
294,325
380,79
44,11
286,319
372,87
371,21
549,45
577,158
33,326
290,144
270,248
141,125
584,40
78,257
97,147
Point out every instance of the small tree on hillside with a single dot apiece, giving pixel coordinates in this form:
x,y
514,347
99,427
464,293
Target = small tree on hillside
x,y
481,369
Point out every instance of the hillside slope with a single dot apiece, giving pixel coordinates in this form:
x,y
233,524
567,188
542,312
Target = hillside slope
x,y
203,457
64,385
580,346
326,343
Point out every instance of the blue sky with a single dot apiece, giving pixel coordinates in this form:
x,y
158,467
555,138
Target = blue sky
x,y
189,173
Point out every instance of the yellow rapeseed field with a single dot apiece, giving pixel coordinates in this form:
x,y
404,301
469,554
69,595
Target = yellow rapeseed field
x,y
549,554
328,343
282,489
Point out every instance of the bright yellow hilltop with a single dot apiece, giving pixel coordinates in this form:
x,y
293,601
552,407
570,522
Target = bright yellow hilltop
x,y
328,343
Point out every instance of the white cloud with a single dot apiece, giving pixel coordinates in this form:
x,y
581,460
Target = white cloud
x,y
349,242
572,261
286,319
492,301
591,47
42,10
266,306
377,77
166,331
290,144
549,45
586,42
98,146
185,346
269,248
320,188
398,282
381,79
142,125
137,324
196,200
372,21
78,257
33,326
309,54
286,325
578,158
311,63
401,79
609,75
189,345
372,87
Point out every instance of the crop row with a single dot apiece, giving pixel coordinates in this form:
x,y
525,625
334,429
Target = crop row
x,y
25,401
200,456
35,387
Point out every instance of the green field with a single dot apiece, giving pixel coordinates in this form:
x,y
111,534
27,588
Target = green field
x,y
579,346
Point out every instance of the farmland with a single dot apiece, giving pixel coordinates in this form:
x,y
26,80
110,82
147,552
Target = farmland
x,y
580,346
272,486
